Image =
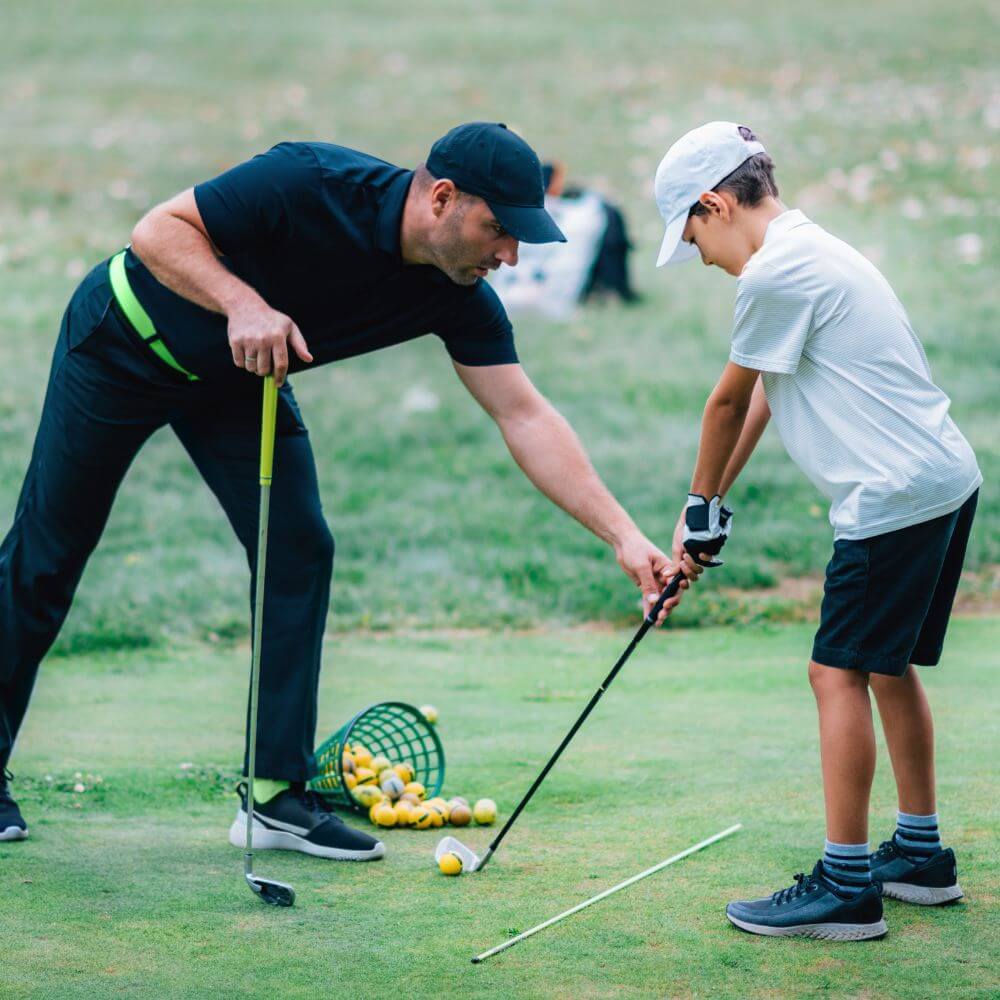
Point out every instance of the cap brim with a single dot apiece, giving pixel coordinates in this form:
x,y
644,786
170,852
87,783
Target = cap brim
x,y
674,249
528,224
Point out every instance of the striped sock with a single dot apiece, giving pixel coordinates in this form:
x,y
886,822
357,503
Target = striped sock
x,y
918,835
848,866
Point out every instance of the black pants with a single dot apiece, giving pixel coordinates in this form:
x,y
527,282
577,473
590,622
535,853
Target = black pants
x,y
107,393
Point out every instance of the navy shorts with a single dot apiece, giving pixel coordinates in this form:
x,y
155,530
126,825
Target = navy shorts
x,y
887,599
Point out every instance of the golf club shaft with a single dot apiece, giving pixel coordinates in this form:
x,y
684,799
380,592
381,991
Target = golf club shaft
x,y
669,591
267,428
607,892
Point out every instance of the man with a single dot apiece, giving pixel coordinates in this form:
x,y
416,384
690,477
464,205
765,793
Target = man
x,y
821,343
306,254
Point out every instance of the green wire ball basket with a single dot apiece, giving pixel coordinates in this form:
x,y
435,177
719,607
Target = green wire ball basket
x,y
390,728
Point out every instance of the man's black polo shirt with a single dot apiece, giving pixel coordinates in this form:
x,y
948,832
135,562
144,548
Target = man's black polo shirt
x,y
314,228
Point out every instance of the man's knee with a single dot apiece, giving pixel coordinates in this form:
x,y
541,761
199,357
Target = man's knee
x,y
305,541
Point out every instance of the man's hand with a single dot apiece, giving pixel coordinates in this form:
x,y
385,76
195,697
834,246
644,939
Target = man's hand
x,y
651,570
259,338
172,241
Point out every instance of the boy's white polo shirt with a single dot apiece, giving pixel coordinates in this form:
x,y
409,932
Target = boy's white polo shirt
x,y
848,382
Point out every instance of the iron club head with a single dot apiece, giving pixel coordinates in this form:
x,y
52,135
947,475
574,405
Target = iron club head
x,y
452,845
271,891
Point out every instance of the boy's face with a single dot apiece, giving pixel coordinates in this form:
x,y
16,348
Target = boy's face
x,y
715,234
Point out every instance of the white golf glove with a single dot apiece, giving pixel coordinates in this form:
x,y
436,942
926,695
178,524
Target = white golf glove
x,y
706,527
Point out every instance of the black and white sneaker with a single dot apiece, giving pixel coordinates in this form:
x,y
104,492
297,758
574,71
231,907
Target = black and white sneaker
x,y
12,825
298,820
813,907
924,881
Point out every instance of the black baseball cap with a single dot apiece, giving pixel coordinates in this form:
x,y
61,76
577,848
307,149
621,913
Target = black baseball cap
x,y
488,160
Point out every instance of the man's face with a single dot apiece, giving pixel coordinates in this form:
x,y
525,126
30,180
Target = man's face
x,y
715,235
469,241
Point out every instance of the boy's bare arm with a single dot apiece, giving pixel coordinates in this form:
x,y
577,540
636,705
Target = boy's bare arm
x,y
753,427
735,417
721,426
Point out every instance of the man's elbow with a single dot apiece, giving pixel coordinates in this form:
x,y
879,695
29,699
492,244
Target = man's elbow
x,y
144,234
527,417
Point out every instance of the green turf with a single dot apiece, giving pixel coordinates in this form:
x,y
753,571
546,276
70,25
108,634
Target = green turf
x,y
130,888
882,119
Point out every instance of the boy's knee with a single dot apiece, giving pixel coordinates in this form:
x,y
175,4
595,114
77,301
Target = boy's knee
x,y
827,680
889,683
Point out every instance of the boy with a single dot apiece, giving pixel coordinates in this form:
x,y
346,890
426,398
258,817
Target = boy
x,y
821,342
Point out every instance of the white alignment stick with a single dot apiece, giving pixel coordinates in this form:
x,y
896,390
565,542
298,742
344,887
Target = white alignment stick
x,y
607,892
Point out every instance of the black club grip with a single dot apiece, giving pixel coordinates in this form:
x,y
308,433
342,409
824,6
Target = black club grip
x,y
668,591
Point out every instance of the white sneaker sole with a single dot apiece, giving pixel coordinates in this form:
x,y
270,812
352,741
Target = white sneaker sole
x,y
278,840
922,895
13,833
822,932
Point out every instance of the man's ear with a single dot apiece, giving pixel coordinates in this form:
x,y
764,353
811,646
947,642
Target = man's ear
x,y
443,193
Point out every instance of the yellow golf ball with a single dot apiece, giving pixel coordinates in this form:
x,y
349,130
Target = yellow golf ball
x,y
362,756
430,713
405,772
380,763
368,795
416,788
365,776
440,805
461,815
450,864
424,817
485,812
384,815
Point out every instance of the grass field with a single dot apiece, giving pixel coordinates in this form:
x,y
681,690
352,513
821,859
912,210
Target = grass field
x,y
455,582
887,137
130,889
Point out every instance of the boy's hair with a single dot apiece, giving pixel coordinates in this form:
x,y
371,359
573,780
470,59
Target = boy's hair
x,y
751,182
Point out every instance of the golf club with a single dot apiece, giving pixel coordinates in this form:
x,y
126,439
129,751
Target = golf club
x,y
701,845
471,862
269,890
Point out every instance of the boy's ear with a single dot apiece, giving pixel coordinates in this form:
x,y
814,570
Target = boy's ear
x,y
718,203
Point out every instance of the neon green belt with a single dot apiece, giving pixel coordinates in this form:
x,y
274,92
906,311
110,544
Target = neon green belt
x,y
138,316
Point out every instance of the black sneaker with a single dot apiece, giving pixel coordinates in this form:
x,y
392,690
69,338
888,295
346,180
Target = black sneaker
x,y
12,825
814,908
924,881
298,820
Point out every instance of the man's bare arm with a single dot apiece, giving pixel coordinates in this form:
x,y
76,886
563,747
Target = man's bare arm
x,y
172,241
548,451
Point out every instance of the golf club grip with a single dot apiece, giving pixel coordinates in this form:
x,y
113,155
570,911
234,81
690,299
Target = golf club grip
x,y
267,426
668,591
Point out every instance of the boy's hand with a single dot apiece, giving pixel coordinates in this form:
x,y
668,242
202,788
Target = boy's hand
x,y
703,528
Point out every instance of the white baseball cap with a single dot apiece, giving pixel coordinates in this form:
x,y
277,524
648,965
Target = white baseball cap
x,y
694,164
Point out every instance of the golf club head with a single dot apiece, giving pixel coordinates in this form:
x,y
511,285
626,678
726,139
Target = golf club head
x,y
271,891
452,845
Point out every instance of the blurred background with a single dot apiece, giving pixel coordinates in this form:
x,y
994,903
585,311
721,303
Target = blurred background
x,y
883,120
